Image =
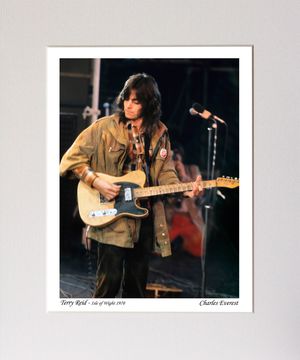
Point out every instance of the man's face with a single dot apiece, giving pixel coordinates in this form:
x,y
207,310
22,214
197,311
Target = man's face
x,y
132,107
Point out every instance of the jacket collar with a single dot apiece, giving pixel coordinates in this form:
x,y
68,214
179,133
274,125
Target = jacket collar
x,y
119,131
162,129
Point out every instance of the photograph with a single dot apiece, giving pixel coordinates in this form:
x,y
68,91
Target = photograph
x,y
147,203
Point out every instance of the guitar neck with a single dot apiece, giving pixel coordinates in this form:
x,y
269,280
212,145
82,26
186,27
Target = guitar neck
x,y
171,189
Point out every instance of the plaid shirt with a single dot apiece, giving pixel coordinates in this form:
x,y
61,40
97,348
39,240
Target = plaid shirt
x,y
136,154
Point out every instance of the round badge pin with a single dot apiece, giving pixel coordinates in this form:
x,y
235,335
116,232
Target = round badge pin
x,y
163,153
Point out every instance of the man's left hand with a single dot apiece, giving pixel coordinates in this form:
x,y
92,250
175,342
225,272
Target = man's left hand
x,y
197,188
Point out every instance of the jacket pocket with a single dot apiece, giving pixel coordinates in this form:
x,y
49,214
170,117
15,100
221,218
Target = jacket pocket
x,y
115,151
118,226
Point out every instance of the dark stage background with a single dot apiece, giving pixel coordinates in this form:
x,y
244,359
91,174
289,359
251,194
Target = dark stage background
x,y
213,83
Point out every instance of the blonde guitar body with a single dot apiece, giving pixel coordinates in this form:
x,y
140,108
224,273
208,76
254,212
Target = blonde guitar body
x,y
95,210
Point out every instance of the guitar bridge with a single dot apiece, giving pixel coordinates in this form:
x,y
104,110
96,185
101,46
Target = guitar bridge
x,y
99,213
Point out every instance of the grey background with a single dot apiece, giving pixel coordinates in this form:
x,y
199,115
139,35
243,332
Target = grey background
x,y
26,29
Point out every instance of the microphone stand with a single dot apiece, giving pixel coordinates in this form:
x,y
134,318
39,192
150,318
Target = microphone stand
x,y
208,207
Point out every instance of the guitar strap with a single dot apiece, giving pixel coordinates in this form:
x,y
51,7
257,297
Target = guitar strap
x,y
147,160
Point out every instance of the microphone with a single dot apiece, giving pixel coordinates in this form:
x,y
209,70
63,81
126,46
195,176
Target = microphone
x,y
198,109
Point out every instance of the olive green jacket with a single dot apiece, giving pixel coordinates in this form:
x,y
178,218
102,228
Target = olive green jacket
x,y
103,146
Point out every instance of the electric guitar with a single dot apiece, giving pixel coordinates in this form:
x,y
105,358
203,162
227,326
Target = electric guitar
x,y
95,210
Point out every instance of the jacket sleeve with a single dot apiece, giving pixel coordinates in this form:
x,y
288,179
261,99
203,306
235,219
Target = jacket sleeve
x,y
167,174
80,152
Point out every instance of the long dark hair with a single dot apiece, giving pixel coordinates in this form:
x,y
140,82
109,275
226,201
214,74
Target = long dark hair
x,y
147,93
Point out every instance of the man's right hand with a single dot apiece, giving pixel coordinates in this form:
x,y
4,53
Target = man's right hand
x,y
109,191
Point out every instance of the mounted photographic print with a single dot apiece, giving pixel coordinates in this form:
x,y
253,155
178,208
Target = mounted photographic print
x,y
149,169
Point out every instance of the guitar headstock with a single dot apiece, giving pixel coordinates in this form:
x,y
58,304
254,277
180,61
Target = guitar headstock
x,y
227,182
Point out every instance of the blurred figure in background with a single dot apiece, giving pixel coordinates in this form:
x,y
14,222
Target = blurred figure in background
x,y
184,214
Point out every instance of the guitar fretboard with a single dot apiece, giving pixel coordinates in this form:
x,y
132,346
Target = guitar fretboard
x,y
170,189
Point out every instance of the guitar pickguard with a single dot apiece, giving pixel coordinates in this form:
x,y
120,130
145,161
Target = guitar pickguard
x,y
125,202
